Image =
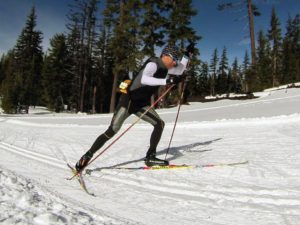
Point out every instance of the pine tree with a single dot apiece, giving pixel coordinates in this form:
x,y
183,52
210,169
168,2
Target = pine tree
x,y
222,82
29,58
291,51
57,80
275,38
9,92
229,82
2,75
213,69
74,49
192,87
245,72
264,62
236,82
82,43
123,17
153,25
296,43
193,74
287,57
178,28
104,65
111,17
23,81
203,85
89,74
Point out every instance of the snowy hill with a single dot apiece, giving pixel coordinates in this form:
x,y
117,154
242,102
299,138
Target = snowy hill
x,y
264,131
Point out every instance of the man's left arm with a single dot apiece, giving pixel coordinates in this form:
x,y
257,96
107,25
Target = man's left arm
x,y
181,67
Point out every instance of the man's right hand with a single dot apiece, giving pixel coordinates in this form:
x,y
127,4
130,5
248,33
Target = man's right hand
x,y
175,79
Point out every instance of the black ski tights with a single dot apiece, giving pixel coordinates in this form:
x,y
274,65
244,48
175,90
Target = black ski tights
x,y
123,111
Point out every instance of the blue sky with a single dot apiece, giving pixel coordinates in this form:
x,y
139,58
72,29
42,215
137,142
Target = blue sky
x,y
218,29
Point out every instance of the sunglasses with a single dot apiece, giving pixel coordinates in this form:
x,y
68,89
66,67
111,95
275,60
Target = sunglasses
x,y
174,59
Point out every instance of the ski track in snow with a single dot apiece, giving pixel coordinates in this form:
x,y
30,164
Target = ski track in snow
x,y
266,191
36,201
242,199
24,202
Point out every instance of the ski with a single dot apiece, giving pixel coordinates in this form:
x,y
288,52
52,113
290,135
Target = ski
x,y
224,164
171,166
80,180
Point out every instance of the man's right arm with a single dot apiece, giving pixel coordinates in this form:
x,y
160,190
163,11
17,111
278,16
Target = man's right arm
x,y
147,76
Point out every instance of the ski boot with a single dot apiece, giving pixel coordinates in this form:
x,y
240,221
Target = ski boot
x,y
151,160
82,163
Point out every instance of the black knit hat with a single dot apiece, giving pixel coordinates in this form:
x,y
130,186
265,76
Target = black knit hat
x,y
172,51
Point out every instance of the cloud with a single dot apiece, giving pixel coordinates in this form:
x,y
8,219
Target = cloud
x,y
268,2
245,41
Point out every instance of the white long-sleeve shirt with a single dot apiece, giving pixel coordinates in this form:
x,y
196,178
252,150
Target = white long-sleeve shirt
x,y
151,67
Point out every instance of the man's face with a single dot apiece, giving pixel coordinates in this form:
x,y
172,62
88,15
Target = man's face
x,y
168,61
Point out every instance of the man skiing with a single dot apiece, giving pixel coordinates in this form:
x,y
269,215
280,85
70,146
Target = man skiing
x,y
136,99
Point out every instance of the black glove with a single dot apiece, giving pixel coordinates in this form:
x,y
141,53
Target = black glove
x,y
190,50
187,78
175,79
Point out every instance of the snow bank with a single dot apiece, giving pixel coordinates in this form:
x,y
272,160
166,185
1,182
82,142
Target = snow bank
x,y
38,110
281,87
22,202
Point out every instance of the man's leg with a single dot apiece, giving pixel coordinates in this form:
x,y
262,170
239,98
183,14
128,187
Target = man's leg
x,y
120,115
153,118
118,119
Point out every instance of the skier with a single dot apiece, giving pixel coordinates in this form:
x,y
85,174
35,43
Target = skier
x,y
136,99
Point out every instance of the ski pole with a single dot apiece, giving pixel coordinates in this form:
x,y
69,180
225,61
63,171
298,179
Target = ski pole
x,y
180,101
127,129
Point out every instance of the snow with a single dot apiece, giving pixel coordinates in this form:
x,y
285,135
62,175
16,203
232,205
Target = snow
x,y
23,202
264,131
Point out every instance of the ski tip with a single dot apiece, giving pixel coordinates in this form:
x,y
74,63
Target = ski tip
x,y
70,167
74,171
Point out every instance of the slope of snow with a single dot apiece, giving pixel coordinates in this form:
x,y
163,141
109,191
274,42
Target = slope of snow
x,y
23,202
264,131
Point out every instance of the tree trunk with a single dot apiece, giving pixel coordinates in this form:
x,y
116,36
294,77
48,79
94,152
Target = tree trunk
x,y
94,99
252,34
117,66
82,94
82,67
113,93
274,71
212,85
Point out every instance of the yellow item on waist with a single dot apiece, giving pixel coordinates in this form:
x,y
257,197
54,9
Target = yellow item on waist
x,y
124,86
